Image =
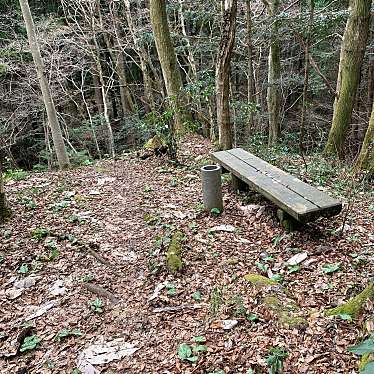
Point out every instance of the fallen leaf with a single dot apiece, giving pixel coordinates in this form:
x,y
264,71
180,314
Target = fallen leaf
x,y
225,324
298,258
104,352
227,228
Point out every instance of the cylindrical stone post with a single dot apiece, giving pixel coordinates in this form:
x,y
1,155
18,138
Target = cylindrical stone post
x,y
212,190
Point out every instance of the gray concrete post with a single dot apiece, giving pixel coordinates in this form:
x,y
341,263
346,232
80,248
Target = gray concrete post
x,y
211,184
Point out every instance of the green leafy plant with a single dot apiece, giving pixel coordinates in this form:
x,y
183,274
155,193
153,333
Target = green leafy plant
x,y
185,353
365,348
330,268
199,339
196,296
40,233
171,291
16,174
97,306
275,360
215,211
87,278
64,333
293,268
262,267
23,269
30,343
173,182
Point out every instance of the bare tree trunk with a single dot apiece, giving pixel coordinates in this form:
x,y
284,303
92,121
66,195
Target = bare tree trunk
x,y
225,136
251,79
306,77
58,141
4,209
143,56
366,158
168,61
273,92
351,57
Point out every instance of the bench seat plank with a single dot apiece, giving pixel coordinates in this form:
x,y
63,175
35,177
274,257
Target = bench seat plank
x,y
310,193
271,183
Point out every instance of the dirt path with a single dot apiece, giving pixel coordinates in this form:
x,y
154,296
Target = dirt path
x,y
106,226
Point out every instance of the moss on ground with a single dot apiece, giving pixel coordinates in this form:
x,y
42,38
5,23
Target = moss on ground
x,y
354,306
174,252
285,312
259,280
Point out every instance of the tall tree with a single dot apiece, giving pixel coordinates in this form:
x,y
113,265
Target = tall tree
x,y
274,70
58,141
225,136
251,78
168,61
351,57
4,209
366,158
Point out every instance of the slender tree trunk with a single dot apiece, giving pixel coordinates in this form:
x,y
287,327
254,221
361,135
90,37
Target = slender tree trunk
x,y
251,79
4,209
274,69
366,158
225,136
168,61
58,141
351,57
306,77
371,81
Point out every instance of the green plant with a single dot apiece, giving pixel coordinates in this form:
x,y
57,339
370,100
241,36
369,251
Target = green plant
x,y
293,268
64,333
185,353
16,174
40,233
196,296
171,291
30,343
330,268
365,348
216,300
28,203
173,182
87,278
23,269
215,211
275,360
97,306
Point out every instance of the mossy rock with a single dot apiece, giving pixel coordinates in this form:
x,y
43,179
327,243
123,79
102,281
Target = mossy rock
x,y
354,306
365,359
154,143
174,252
259,280
285,312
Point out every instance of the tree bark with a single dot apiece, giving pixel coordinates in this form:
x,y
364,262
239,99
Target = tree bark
x,y
168,61
225,136
273,92
251,79
306,77
4,209
58,141
351,57
366,158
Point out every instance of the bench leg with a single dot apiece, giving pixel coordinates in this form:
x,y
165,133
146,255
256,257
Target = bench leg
x,y
288,222
238,184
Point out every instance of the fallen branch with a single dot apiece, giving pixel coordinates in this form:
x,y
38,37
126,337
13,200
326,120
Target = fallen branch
x,y
178,308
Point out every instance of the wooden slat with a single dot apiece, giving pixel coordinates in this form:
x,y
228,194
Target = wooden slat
x,y
308,192
301,201
289,201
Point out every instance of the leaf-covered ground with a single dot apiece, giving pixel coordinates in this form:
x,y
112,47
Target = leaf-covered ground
x,y
88,246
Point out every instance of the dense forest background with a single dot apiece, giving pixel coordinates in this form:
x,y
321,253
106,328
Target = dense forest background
x,y
102,66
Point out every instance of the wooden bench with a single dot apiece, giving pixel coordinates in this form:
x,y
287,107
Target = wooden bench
x,y
298,199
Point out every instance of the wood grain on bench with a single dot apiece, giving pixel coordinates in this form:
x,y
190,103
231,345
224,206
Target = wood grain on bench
x,y
302,201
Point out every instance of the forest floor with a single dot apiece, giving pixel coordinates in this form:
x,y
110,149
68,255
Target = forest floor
x,y
83,263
